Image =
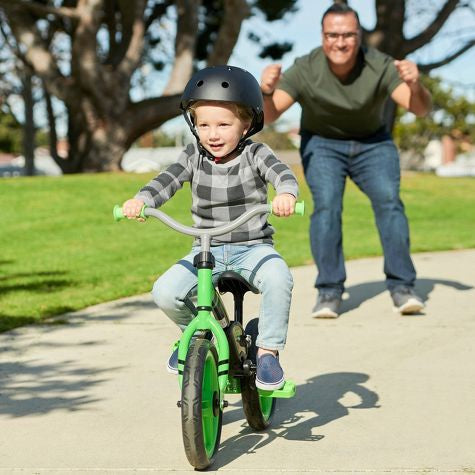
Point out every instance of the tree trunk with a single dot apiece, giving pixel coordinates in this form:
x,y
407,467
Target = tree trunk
x,y
105,151
29,124
95,143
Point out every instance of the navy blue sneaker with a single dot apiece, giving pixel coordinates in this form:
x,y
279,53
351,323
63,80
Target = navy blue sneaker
x,y
269,375
172,364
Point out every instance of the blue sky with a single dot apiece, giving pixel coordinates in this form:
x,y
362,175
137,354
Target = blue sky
x,y
303,30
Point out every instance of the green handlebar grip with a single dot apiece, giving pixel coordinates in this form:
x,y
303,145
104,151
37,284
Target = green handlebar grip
x,y
299,208
119,215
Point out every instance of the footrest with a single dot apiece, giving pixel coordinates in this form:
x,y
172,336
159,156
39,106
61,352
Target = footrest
x,y
288,390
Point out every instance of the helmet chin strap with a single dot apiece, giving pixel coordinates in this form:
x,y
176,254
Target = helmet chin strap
x,y
203,151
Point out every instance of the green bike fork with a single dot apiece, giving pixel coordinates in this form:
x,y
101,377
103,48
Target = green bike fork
x,y
202,322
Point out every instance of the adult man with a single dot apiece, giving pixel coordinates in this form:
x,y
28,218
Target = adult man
x,y
342,88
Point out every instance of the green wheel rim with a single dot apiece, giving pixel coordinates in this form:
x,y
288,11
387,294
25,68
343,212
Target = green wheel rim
x,y
210,404
266,406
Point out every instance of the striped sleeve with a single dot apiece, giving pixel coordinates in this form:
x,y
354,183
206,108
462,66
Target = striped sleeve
x,y
278,174
167,183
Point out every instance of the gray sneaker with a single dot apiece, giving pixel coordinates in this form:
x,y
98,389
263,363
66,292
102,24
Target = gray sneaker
x,y
406,301
327,305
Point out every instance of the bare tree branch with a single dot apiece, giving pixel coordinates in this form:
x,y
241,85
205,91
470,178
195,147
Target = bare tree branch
x,y
36,53
125,13
387,34
134,50
42,10
185,44
115,50
84,46
158,10
429,66
149,114
53,136
411,45
235,12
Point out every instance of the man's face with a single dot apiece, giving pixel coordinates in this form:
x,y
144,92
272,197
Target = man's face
x,y
341,38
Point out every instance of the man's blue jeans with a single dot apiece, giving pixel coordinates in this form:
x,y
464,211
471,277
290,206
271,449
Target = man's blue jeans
x,y
373,164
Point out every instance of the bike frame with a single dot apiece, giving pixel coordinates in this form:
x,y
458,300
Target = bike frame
x,y
206,294
202,322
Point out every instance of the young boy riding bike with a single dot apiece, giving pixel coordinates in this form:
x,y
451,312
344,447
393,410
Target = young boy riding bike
x,y
228,174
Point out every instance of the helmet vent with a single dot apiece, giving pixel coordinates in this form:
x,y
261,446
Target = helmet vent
x,y
200,83
225,84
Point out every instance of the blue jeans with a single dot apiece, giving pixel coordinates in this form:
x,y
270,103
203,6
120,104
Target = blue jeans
x,y
259,264
373,164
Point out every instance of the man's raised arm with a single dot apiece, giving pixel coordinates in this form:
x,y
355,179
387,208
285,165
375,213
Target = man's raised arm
x,y
276,101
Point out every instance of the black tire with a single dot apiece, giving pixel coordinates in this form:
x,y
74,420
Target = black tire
x,y
201,416
257,409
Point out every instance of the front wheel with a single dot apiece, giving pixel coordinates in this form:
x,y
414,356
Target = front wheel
x,y
201,414
257,409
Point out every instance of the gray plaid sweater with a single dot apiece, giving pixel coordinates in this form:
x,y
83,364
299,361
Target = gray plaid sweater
x,y
223,192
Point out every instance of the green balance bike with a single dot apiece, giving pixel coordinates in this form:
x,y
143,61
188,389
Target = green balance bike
x,y
216,355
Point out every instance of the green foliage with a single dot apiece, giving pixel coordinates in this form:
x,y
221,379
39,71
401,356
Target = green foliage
x,y
276,9
42,138
162,139
210,22
275,139
10,134
63,251
450,111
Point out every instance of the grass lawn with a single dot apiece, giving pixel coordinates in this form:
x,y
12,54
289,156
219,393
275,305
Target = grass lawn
x,y
62,251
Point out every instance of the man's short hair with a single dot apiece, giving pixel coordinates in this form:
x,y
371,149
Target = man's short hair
x,y
341,9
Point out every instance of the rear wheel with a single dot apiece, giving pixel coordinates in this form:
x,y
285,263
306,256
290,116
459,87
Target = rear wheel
x,y
257,409
201,415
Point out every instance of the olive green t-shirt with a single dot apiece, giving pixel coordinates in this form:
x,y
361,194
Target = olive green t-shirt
x,y
341,110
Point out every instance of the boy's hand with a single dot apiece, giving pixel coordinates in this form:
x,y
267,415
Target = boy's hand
x,y
131,209
283,205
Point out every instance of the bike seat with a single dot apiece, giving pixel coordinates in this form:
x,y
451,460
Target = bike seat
x,y
230,281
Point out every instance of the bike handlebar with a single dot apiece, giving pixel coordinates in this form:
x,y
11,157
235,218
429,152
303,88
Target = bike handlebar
x,y
200,232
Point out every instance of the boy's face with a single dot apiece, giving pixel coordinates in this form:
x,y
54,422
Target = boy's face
x,y
219,128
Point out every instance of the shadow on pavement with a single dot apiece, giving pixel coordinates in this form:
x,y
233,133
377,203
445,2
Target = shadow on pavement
x,y
35,388
316,403
424,287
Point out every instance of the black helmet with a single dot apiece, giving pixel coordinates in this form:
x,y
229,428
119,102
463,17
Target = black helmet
x,y
229,84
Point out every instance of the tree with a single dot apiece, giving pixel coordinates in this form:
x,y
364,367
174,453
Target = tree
x,y
90,54
10,133
17,80
275,139
449,112
392,17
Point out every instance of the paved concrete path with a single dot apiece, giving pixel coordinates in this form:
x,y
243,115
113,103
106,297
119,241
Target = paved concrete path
x,y
376,392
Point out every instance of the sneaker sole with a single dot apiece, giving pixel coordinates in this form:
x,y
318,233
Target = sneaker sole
x,y
325,313
172,370
270,387
410,307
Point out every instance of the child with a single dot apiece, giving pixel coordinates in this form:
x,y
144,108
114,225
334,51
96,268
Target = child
x,y
228,174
